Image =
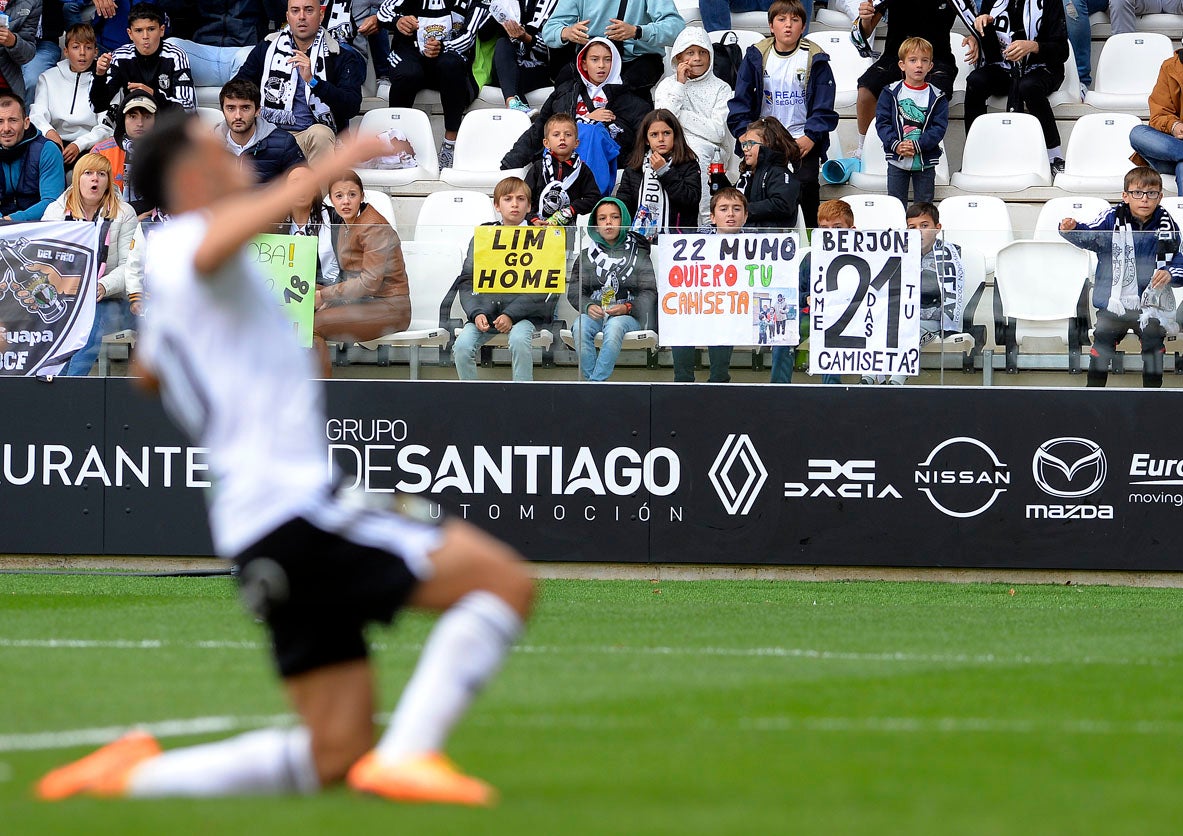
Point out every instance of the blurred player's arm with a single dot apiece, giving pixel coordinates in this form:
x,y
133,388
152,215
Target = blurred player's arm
x,y
237,219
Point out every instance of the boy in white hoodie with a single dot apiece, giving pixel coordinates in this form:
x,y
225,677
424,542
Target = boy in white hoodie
x,y
699,99
61,109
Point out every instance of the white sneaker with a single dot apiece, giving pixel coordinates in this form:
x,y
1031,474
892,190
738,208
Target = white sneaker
x,y
383,89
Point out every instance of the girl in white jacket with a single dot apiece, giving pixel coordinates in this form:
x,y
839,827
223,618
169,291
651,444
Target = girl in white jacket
x,y
699,99
93,198
61,109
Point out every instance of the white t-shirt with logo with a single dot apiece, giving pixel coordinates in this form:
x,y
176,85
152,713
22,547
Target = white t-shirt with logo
x,y
207,338
784,89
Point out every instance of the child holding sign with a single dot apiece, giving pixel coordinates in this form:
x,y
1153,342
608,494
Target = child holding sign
x,y
514,314
729,213
563,187
663,175
1137,247
616,292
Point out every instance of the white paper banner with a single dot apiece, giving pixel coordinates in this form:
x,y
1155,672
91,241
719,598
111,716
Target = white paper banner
x,y
865,314
728,289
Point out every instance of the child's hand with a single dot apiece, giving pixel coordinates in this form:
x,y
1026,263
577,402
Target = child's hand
x,y
481,322
513,29
1160,279
537,221
407,24
595,311
432,48
683,71
656,161
602,114
503,323
1067,224
906,148
103,64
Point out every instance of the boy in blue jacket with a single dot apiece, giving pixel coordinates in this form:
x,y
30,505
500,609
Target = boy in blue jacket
x,y
911,119
788,77
1137,247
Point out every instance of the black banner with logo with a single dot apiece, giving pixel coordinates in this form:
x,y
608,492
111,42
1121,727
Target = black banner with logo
x,y
813,475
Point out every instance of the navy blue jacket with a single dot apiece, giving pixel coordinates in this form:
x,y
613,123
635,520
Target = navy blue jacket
x,y
1097,236
32,177
820,118
272,151
890,126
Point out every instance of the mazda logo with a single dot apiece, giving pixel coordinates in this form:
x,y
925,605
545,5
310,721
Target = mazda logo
x,y
1069,467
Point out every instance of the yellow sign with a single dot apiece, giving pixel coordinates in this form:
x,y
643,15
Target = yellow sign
x,y
519,259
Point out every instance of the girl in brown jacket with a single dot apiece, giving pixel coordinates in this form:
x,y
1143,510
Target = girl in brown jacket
x,y
371,299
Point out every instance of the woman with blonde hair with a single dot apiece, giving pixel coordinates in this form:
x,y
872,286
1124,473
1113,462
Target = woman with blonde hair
x,y
371,298
93,198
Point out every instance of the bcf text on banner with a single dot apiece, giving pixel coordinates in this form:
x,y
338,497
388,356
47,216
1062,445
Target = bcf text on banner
x,y
519,259
728,289
866,302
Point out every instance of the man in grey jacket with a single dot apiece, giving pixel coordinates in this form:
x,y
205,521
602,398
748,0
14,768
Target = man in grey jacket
x,y
18,42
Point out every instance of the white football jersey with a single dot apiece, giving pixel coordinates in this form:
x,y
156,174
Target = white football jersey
x,y
235,379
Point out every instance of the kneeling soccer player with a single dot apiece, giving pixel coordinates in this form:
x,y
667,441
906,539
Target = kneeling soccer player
x,y
316,569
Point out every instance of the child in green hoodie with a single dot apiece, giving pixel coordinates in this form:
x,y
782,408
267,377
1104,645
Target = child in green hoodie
x,y
616,292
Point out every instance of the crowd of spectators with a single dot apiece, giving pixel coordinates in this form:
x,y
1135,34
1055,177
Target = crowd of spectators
x,y
80,82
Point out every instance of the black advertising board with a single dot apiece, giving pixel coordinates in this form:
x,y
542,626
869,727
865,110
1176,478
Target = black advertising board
x,y
665,473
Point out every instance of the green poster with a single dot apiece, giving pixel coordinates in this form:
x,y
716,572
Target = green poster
x,y
289,262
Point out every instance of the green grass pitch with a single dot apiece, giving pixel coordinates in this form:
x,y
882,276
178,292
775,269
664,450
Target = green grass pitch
x,y
638,707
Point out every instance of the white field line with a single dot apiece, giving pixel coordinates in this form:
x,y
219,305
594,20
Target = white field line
x,y
627,650
70,738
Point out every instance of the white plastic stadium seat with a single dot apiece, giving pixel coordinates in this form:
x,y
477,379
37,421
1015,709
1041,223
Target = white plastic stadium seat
x,y
211,117
743,37
208,97
1081,207
1126,71
485,136
876,211
830,18
431,270
753,21
688,9
449,216
126,337
495,97
416,126
1004,152
873,176
964,68
1098,154
1043,311
980,222
382,204
846,63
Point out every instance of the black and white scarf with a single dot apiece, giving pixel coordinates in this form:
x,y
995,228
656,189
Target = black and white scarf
x,y
279,83
966,10
1124,296
614,268
653,196
338,19
553,197
1008,30
949,276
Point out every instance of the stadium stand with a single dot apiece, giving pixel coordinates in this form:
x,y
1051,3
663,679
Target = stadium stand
x,y
876,211
978,222
416,127
873,176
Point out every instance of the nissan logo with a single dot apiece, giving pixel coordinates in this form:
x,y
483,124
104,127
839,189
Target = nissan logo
x,y
1069,467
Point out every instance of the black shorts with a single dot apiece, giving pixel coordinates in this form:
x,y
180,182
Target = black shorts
x,y
884,72
317,586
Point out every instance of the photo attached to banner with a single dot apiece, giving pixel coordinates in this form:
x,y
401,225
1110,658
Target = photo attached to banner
x,y
289,262
729,289
865,306
519,259
48,273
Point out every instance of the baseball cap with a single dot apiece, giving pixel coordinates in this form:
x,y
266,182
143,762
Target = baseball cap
x,y
143,102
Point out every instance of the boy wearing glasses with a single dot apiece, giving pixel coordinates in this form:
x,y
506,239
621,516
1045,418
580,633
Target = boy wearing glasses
x,y
1137,247
788,77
